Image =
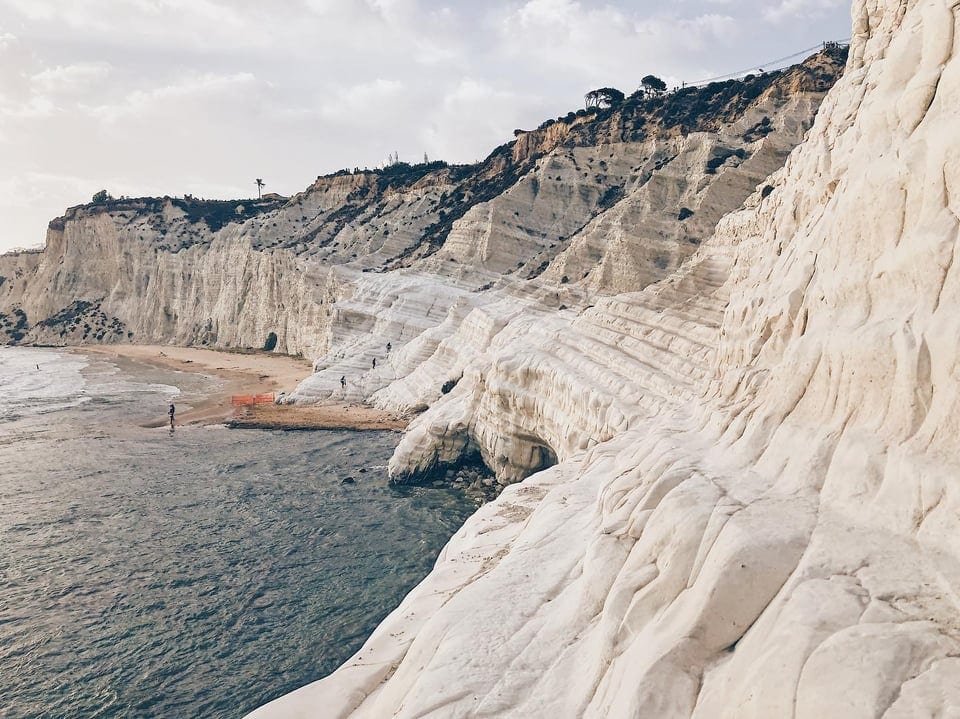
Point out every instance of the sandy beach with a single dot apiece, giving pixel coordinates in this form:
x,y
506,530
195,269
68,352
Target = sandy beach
x,y
325,416
245,373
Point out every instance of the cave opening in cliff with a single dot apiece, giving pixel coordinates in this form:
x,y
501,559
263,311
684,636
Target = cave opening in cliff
x,y
548,458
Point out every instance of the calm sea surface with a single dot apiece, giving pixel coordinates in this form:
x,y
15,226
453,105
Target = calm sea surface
x,y
198,573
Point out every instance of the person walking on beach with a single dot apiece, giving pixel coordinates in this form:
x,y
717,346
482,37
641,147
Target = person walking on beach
x,y
171,412
389,347
374,362
343,382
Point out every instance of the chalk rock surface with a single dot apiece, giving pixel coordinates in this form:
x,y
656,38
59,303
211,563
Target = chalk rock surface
x,y
753,507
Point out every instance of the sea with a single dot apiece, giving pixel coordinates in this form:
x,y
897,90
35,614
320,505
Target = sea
x,y
199,572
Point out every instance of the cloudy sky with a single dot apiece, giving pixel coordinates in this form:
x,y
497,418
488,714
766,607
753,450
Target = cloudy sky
x,y
154,97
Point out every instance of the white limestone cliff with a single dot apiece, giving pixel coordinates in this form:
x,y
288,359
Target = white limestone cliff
x,y
742,499
755,506
311,271
586,221
226,274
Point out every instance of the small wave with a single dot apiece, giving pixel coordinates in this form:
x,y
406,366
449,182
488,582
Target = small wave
x,y
125,387
39,381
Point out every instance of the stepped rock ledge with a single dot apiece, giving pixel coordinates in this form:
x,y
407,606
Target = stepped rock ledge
x,y
728,443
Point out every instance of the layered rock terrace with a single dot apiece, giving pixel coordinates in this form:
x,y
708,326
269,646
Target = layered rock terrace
x,y
754,510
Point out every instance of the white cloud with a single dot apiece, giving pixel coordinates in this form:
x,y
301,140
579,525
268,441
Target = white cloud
x,y
801,9
197,23
608,45
44,185
697,33
36,107
72,79
476,109
361,103
42,190
179,97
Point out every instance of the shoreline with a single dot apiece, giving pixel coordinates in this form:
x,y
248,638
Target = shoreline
x,y
293,417
244,373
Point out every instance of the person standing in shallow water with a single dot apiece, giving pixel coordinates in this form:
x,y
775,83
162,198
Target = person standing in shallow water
x,y
343,382
172,412
374,363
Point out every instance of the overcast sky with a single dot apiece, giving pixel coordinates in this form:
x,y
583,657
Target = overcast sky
x,y
154,97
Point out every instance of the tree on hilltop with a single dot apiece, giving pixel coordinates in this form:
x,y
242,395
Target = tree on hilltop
x,y
100,197
603,97
653,85
260,185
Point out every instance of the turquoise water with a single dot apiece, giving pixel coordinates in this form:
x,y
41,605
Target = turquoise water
x,y
198,573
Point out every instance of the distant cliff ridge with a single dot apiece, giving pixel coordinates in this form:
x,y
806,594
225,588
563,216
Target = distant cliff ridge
x,y
596,202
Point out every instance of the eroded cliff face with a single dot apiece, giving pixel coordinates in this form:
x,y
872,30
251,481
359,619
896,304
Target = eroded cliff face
x,y
15,268
609,203
364,258
217,273
755,507
618,201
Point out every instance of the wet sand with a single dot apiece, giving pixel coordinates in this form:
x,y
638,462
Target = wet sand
x,y
245,373
325,416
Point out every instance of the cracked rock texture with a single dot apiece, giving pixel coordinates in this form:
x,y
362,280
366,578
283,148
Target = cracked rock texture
x,y
754,510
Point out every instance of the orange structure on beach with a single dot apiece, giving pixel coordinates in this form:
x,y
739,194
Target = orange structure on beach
x,y
239,400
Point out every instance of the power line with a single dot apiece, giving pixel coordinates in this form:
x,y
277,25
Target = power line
x,y
732,75
755,67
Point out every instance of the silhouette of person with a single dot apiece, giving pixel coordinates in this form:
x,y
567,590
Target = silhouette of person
x,y
343,382
172,412
374,362
389,346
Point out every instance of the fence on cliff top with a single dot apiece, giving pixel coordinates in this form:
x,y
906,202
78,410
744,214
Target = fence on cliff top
x,y
771,65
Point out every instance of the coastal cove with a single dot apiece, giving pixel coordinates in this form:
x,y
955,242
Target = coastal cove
x,y
661,403
243,373
194,573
